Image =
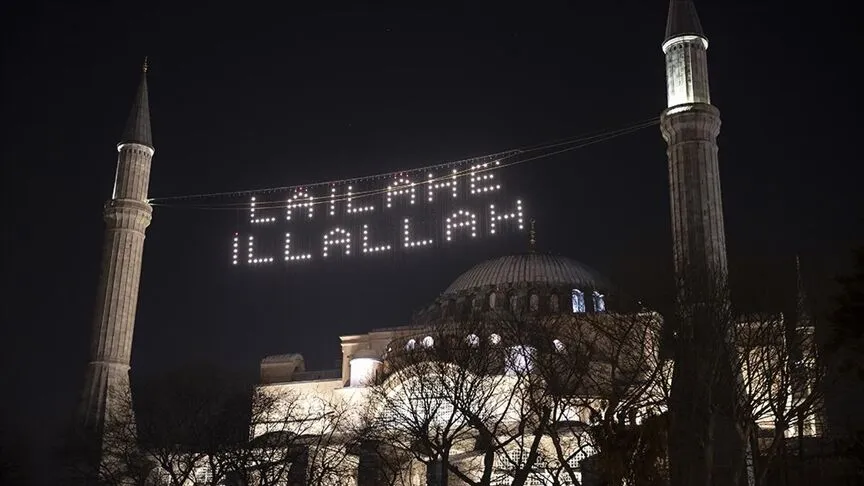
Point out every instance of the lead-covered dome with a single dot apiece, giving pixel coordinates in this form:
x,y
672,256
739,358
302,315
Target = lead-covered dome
x,y
529,268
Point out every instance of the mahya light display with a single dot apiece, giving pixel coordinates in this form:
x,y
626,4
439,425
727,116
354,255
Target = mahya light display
x,y
301,199
363,218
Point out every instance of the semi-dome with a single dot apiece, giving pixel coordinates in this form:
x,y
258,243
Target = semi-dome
x,y
529,268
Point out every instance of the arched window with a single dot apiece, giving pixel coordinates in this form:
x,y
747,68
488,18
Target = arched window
x,y
578,301
492,299
428,342
534,302
553,302
410,345
559,346
599,302
477,302
514,302
472,340
520,359
494,339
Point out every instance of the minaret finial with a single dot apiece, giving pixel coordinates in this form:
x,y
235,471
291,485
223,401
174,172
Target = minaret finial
x,y
532,239
145,66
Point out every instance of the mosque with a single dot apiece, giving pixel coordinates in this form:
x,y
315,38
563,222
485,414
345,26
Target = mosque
x,y
555,293
483,312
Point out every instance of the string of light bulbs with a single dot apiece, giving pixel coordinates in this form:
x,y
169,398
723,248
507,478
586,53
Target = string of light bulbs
x,y
502,159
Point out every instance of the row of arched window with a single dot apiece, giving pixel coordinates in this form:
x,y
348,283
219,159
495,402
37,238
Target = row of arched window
x,y
473,341
577,302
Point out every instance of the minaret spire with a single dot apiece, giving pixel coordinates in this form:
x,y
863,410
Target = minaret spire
x,y
127,215
138,124
532,239
683,20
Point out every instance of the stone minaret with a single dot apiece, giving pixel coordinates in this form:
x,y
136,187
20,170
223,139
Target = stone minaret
x,y
126,215
703,446
690,125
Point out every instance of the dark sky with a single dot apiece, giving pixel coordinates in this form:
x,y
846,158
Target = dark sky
x,y
246,96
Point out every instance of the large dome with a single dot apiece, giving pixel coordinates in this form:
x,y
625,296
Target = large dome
x,y
529,268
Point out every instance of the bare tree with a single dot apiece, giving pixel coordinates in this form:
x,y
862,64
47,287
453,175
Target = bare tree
x,y
704,447
330,458
736,379
779,388
512,398
597,387
291,439
184,432
445,399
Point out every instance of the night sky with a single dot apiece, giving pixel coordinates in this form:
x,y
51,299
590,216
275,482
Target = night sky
x,y
243,96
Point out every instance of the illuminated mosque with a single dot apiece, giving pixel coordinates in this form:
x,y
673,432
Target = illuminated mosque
x,y
553,291
532,284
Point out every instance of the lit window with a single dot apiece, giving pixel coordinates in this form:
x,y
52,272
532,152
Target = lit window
x,y
559,346
599,302
492,300
203,475
411,344
428,342
520,359
578,301
494,339
473,340
362,371
534,302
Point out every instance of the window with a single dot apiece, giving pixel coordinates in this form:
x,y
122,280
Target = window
x,y
428,342
534,302
559,346
514,302
578,301
472,340
520,359
203,475
599,302
436,409
492,300
477,302
553,303
410,345
494,339
535,480
362,371
564,477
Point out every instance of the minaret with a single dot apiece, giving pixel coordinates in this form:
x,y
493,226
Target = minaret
x,y
126,215
703,446
690,125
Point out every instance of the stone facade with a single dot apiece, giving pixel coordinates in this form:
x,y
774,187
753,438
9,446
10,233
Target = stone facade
x,y
694,180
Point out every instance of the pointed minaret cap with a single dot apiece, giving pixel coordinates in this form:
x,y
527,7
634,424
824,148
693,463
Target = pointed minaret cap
x,y
682,20
138,125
